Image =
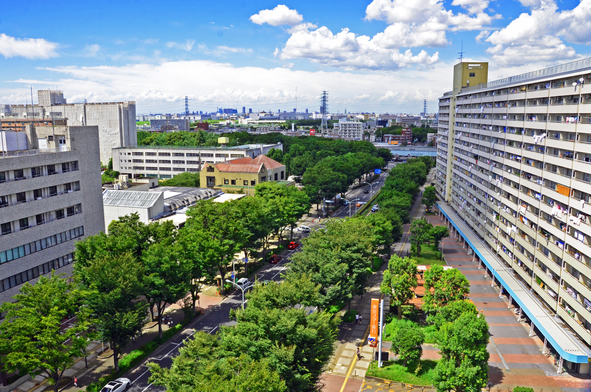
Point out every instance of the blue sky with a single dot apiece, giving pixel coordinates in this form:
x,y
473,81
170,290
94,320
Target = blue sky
x,y
373,56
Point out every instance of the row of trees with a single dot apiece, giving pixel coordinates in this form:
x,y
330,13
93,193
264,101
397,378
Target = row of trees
x,y
134,269
276,345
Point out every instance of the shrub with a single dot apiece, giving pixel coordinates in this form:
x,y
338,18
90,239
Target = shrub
x,y
349,316
523,389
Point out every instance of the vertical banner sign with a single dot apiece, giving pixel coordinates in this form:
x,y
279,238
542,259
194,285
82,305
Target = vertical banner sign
x,y
374,318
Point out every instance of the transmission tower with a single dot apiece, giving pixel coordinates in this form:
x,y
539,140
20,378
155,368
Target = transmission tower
x,y
324,110
424,107
186,105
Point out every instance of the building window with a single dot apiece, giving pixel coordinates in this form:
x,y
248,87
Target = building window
x,y
179,169
263,178
53,191
163,154
276,176
138,161
178,154
40,218
138,154
23,223
151,154
21,197
210,182
38,194
226,182
2,177
210,169
245,182
6,229
472,74
282,174
19,174
166,162
253,182
59,214
179,162
233,182
51,169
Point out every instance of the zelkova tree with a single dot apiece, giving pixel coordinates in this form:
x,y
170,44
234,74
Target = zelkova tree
x,y
399,281
429,197
32,338
218,234
449,286
407,343
419,233
113,285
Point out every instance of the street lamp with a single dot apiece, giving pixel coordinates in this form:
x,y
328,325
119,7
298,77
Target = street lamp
x,y
242,289
351,202
371,186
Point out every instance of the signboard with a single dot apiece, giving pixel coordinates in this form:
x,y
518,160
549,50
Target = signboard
x,y
378,171
372,342
374,318
245,259
312,132
232,276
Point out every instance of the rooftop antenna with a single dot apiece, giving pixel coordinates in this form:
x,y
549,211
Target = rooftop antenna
x,y
461,53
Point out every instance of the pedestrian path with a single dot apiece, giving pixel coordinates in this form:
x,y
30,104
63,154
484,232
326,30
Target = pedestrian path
x,y
345,371
516,359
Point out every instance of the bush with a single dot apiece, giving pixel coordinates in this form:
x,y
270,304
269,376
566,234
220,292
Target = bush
x,y
336,308
349,316
523,389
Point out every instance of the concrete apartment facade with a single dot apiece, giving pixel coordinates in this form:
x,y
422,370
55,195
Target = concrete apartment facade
x,y
166,162
49,199
115,120
514,174
349,130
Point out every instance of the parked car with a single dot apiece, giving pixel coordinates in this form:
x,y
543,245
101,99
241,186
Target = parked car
x,y
293,245
304,229
366,190
275,259
119,385
375,208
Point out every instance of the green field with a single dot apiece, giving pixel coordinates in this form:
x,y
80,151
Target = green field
x,y
428,256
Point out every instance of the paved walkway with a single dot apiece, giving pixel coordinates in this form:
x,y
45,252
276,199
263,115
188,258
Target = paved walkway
x,y
345,371
516,359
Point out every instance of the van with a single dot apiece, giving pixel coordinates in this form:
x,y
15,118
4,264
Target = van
x,y
243,282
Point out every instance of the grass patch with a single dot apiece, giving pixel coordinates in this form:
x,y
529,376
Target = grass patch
x,y
430,331
349,316
428,256
393,370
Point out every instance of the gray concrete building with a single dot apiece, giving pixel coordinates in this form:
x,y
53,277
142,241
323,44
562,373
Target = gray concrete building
x,y
170,125
513,171
115,120
166,162
50,197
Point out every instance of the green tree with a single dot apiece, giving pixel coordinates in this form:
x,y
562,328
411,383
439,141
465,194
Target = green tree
x,y
406,343
166,280
419,233
195,265
438,233
276,155
201,365
186,179
321,182
450,286
32,339
429,197
464,358
451,312
113,284
218,234
399,281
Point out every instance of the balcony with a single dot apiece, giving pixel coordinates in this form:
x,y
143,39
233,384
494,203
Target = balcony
x,y
575,325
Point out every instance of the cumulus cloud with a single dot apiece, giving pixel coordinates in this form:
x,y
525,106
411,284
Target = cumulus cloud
x,y
188,45
152,85
482,35
473,6
345,49
280,15
30,48
540,33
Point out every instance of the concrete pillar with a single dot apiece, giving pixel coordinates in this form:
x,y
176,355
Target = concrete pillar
x,y
560,366
479,264
473,256
519,315
492,280
532,332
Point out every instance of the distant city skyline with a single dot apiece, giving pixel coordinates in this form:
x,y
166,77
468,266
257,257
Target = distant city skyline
x,y
373,56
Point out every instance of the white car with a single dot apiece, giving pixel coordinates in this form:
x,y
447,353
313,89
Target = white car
x,y
119,385
304,229
242,282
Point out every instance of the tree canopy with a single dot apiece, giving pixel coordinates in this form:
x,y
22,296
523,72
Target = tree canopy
x,y
399,281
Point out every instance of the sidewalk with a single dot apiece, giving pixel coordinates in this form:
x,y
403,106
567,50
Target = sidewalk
x,y
100,359
345,372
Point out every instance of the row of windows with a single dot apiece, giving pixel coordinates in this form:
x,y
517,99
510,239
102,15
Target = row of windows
x,y
35,272
38,171
38,194
189,154
39,245
25,223
167,162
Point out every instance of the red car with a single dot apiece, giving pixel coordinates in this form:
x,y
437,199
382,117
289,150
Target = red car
x,y
275,259
292,245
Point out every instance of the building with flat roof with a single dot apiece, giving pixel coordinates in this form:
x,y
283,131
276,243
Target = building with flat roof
x,y
50,197
115,120
349,130
165,162
514,171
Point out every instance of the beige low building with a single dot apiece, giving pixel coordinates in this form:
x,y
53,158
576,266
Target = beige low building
x,y
242,175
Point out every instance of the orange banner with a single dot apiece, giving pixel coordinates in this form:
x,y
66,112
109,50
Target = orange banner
x,y
374,318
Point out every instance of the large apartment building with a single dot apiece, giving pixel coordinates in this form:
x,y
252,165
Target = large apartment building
x,y
514,174
50,197
166,162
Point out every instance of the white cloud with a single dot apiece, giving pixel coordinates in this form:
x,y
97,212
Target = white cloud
x,y
482,35
151,41
188,45
539,34
30,48
473,6
345,49
227,49
531,3
152,85
302,27
91,50
280,15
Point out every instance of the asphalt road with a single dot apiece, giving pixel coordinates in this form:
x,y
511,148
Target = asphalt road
x,y
220,314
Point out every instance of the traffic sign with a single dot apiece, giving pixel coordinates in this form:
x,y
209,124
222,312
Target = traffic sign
x,y
232,276
378,171
372,341
245,259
